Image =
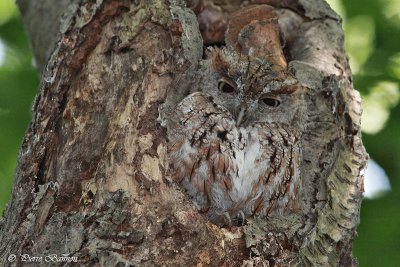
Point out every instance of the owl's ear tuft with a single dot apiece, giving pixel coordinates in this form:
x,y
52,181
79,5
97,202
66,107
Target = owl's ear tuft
x,y
289,89
218,60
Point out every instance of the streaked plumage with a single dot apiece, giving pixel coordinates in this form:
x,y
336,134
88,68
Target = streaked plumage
x,y
236,148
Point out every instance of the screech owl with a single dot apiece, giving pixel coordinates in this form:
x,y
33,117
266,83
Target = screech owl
x,y
237,147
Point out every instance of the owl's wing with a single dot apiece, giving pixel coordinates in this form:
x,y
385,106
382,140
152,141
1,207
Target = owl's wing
x,y
280,181
197,159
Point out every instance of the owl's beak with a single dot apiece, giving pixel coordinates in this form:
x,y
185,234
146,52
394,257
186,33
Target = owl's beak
x,y
240,116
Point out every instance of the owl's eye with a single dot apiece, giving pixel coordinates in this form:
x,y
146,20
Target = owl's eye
x,y
270,101
225,87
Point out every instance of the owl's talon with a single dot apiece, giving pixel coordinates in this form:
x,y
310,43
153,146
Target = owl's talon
x,y
227,218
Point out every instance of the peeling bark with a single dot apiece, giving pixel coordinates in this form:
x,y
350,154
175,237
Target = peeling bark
x,y
92,178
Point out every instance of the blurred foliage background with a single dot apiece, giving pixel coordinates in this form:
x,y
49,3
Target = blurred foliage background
x,y
18,85
373,45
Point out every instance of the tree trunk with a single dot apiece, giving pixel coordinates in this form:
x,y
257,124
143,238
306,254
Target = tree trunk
x,y
92,178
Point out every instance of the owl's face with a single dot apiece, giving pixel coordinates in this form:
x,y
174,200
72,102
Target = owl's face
x,y
251,89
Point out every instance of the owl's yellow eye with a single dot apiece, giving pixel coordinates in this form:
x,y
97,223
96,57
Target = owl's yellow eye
x,y
272,102
225,87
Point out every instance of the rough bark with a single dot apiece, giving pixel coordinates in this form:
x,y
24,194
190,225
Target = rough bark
x,y
92,176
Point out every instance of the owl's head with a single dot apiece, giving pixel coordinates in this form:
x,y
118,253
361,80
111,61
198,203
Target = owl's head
x,y
252,89
248,75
